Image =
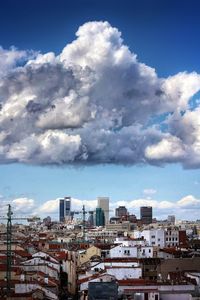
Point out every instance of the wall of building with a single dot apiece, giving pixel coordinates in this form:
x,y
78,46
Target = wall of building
x,y
154,237
180,296
29,287
87,254
125,273
123,251
178,265
144,252
172,237
124,226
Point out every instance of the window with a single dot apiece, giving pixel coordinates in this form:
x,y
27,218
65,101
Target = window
x,y
153,236
159,240
127,252
149,250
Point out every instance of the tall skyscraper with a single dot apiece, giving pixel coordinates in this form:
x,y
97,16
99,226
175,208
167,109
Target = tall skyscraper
x,y
91,218
100,217
146,214
67,206
64,208
103,203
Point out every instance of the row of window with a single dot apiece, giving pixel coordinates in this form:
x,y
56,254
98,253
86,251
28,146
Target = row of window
x,y
171,239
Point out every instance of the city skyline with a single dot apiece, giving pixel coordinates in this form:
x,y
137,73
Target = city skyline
x,y
72,134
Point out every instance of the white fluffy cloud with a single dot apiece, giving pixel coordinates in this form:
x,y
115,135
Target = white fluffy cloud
x,y
95,103
23,205
52,206
187,206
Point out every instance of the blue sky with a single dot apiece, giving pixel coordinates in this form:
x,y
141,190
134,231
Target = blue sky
x,y
164,35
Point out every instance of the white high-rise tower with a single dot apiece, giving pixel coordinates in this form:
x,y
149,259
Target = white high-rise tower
x,y
103,203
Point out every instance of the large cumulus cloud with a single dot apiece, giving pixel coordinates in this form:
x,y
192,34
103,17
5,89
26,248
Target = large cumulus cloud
x,y
95,103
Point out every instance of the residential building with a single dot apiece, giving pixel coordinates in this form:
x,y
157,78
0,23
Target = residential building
x,y
172,237
153,237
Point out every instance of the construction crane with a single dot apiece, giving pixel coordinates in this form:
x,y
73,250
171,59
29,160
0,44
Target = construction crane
x,y
9,220
84,212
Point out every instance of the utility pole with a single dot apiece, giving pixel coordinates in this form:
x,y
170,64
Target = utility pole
x,y
84,224
8,250
9,219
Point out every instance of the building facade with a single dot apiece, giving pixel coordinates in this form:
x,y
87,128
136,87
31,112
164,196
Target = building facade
x,y
64,209
146,214
100,217
121,211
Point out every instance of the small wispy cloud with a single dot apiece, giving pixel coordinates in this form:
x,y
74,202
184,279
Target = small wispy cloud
x,y
149,192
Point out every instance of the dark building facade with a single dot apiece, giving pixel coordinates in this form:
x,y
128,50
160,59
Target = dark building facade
x,y
102,290
121,211
146,214
100,217
64,208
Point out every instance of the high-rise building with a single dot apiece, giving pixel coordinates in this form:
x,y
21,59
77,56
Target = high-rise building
x,y
103,203
91,218
67,206
146,214
171,219
121,211
100,217
64,208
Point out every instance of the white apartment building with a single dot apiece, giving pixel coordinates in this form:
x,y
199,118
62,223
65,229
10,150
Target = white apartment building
x,y
145,252
153,237
172,237
160,237
122,251
142,250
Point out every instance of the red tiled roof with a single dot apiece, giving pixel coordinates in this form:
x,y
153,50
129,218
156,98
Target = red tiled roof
x,y
128,282
22,253
60,255
3,267
104,246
